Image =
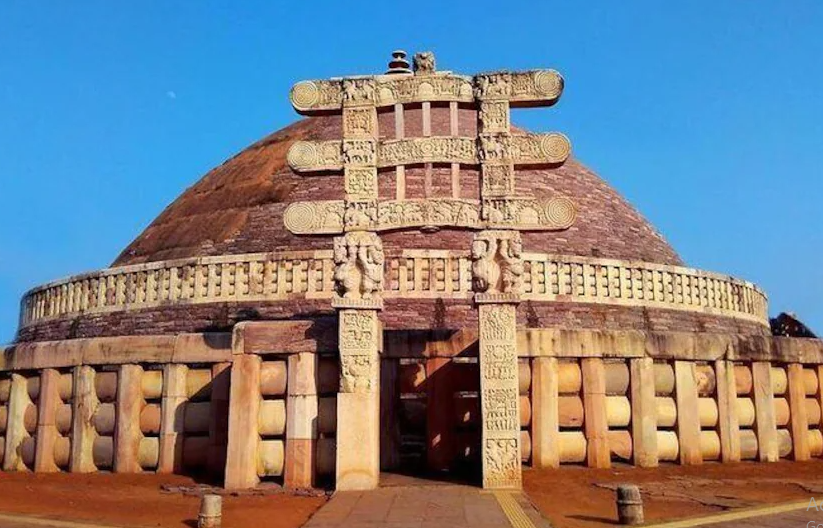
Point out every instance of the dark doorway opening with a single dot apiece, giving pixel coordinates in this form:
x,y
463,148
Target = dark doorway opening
x,y
430,408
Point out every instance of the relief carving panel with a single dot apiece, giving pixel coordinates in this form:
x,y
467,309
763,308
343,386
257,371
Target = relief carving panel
x,y
499,395
526,214
428,150
359,334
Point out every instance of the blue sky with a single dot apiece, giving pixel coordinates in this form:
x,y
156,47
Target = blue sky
x,y
707,115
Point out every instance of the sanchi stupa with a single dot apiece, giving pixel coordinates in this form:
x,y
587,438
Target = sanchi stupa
x,y
403,281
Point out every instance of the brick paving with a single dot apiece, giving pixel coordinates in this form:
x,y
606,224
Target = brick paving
x,y
423,507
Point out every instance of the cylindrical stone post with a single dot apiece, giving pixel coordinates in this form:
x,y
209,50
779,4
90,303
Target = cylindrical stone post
x,y
629,505
211,511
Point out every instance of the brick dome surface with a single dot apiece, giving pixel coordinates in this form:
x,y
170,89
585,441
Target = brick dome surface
x,y
238,207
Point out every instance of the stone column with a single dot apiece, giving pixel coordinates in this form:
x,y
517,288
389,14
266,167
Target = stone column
x,y
798,419
15,428
765,425
301,417
688,417
496,272
596,422
84,405
171,419
728,424
545,419
644,412
127,432
219,419
244,406
48,401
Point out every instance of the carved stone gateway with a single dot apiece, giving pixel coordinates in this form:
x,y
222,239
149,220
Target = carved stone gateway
x,y
497,252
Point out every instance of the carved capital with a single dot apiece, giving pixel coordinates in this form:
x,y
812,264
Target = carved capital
x,y
358,272
497,265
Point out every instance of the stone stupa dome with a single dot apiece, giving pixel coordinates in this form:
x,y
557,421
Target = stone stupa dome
x,y
237,210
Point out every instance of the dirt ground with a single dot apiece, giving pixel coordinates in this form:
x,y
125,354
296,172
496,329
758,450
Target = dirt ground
x,y
577,497
139,500
571,497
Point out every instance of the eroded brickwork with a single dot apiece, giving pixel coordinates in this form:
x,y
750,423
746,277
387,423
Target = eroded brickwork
x,y
238,207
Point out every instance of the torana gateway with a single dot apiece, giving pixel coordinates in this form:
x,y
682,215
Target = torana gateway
x,y
402,282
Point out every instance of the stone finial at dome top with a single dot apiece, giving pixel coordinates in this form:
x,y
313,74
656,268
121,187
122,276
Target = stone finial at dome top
x,y
398,63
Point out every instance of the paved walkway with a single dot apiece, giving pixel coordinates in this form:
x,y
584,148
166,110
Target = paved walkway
x,y
790,515
427,507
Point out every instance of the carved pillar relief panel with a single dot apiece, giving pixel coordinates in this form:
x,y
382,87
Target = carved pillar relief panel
x,y
358,276
497,268
358,402
499,396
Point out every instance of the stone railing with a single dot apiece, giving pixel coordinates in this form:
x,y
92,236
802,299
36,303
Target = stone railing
x,y
236,278
633,283
413,273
